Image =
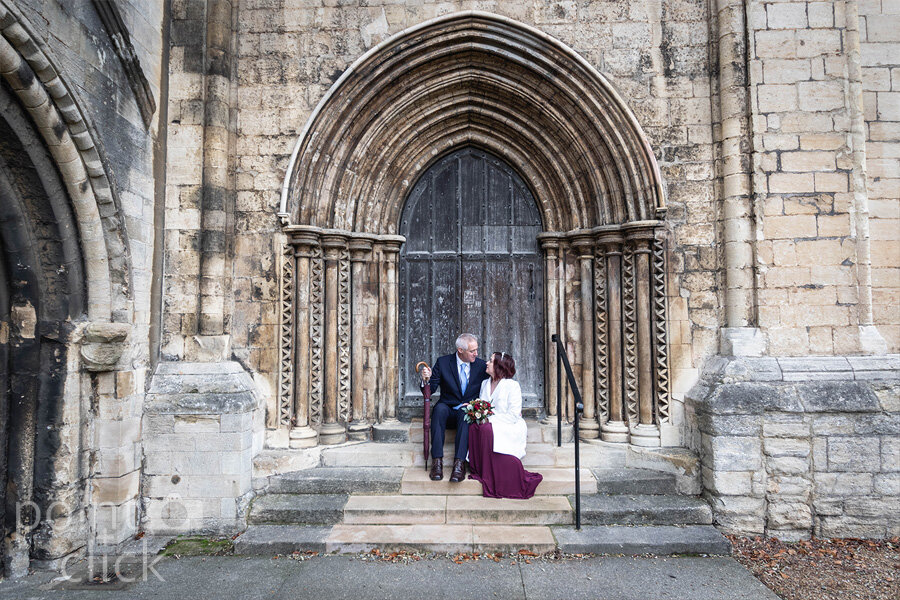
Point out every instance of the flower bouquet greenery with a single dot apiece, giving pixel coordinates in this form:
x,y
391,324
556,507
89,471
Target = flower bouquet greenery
x,y
478,411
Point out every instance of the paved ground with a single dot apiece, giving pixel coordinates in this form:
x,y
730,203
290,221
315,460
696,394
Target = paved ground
x,y
341,577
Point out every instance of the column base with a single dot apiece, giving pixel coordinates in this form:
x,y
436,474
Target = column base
x,y
645,435
742,341
303,437
871,341
614,431
588,429
332,433
358,431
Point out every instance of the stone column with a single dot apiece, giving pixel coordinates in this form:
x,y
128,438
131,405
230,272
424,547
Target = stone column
x,y
584,246
360,256
646,432
871,341
615,429
390,305
550,246
740,336
332,432
214,206
372,341
305,245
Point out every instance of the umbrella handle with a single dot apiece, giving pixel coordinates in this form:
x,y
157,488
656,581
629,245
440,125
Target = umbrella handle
x,y
426,389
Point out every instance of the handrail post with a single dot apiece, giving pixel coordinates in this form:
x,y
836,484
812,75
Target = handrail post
x,y
563,357
578,408
558,345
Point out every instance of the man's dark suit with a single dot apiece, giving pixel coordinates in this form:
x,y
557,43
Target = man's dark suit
x,y
444,374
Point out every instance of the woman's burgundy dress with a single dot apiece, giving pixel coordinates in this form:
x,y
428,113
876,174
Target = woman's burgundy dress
x,y
501,475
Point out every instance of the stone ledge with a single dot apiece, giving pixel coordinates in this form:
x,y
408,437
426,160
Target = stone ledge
x,y
200,388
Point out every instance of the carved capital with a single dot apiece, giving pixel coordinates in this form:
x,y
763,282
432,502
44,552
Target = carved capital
x,y
103,345
361,249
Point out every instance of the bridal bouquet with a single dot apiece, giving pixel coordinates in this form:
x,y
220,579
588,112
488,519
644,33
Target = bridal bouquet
x,y
478,411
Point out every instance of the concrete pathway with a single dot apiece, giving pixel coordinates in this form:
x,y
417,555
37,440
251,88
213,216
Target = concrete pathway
x,y
342,577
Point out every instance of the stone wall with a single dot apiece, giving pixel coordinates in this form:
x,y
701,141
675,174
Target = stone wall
x,y
198,439
97,458
795,447
813,72
879,30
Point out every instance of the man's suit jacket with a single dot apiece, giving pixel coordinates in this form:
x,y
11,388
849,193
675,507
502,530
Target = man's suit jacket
x,y
445,375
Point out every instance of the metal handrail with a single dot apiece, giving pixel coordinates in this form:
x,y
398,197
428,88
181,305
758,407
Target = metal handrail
x,y
563,357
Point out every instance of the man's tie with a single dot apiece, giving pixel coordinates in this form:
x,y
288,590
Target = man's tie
x,y
462,378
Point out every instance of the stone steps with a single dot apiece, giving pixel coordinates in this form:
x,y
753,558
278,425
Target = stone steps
x,y
634,481
267,540
599,509
456,510
557,481
410,455
375,496
297,509
338,480
440,538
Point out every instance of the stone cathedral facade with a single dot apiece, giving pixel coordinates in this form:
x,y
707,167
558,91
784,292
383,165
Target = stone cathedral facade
x,y
230,229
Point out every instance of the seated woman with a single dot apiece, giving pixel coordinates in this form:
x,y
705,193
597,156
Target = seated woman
x,y
497,447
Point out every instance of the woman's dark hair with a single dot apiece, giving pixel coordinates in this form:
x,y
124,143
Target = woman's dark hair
x,y
504,365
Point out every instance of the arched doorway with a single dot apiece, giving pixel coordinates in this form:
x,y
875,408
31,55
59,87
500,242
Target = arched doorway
x,y
41,290
471,262
464,80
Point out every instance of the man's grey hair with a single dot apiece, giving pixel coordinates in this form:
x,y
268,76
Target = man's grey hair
x,y
463,341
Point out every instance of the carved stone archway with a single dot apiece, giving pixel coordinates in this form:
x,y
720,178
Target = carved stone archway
x,y
481,80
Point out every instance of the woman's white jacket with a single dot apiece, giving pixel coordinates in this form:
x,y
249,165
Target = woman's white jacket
x,y
509,428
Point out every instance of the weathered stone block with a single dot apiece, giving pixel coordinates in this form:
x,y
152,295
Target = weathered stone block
x,y
880,508
776,447
887,484
842,484
787,465
726,425
890,454
849,396
793,515
854,454
828,507
731,453
847,526
786,485
731,483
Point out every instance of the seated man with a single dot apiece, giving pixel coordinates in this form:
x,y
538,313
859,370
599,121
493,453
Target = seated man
x,y
459,376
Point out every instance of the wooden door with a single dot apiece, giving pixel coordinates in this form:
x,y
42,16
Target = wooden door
x,y
471,263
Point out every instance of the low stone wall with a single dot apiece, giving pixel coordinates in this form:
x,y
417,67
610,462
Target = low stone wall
x,y
198,448
796,447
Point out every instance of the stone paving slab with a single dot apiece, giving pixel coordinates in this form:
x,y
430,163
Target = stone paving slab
x,y
395,510
651,539
511,539
268,540
538,510
342,577
346,538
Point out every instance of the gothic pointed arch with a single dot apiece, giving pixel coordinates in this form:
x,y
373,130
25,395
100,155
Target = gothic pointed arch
x,y
478,79
481,81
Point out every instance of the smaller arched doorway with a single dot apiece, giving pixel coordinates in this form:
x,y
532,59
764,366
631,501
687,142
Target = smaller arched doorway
x,y
471,263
